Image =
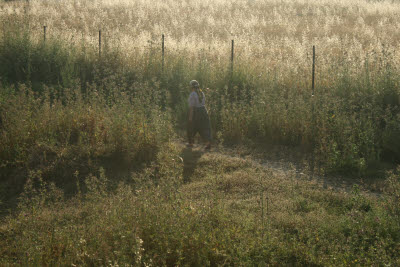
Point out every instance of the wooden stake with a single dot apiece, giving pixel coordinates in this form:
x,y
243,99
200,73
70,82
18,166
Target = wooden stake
x,y
44,33
231,70
313,69
232,54
99,43
313,115
262,214
268,215
162,64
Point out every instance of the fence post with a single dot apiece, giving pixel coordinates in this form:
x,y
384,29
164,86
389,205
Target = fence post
x,y
162,47
99,43
313,115
313,70
230,87
26,7
44,33
232,53
267,198
262,214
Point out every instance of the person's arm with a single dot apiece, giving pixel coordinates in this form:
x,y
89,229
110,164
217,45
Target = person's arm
x,y
190,114
192,102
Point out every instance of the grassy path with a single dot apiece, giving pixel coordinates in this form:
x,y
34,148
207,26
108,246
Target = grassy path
x,y
205,208
279,162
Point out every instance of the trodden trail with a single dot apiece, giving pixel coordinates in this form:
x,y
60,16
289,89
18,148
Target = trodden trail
x,y
278,164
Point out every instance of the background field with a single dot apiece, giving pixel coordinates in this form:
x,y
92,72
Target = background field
x,y
267,98
88,143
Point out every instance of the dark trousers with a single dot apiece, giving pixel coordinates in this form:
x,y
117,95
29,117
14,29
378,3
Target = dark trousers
x,y
200,124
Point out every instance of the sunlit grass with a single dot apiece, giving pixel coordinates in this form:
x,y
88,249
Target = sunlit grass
x,y
268,96
227,210
85,140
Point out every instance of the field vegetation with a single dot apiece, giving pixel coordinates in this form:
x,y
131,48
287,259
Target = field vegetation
x,y
267,96
91,172
226,211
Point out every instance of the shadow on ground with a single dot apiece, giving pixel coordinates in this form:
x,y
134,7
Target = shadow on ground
x,y
190,158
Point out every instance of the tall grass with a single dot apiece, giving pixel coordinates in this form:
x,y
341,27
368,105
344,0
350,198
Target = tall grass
x,y
217,219
267,98
85,146
66,137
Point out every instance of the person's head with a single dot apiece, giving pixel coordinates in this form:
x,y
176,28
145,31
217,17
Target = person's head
x,y
194,84
196,88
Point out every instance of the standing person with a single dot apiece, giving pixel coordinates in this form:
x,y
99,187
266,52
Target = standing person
x,y
199,121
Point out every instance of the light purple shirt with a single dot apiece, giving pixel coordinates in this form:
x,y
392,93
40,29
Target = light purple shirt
x,y
194,100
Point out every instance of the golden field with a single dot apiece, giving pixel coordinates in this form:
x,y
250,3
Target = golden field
x,y
93,169
269,34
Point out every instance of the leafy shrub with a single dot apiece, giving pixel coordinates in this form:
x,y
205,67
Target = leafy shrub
x,y
74,133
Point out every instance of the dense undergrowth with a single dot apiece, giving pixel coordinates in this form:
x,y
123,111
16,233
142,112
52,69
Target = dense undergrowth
x,y
67,137
227,211
351,124
89,175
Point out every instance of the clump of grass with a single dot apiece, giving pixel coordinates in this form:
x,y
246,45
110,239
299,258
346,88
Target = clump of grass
x,y
75,133
159,219
264,97
393,191
68,115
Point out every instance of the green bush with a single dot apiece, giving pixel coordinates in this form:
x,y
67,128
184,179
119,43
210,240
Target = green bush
x,y
76,133
157,219
350,124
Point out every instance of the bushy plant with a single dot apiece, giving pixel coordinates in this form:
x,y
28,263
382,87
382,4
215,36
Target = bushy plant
x,y
60,136
221,217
